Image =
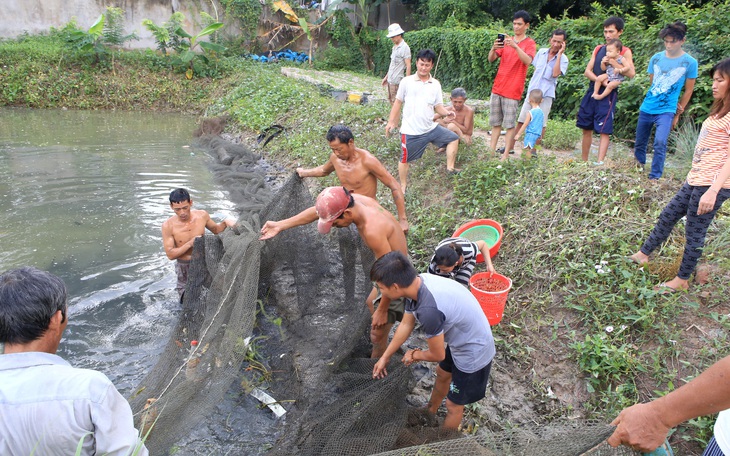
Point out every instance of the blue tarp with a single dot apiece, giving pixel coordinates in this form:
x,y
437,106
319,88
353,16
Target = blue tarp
x,y
286,54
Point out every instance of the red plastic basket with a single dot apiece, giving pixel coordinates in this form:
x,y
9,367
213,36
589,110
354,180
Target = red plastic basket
x,y
492,302
470,231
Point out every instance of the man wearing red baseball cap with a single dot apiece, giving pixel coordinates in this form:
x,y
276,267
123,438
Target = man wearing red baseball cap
x,y
377,227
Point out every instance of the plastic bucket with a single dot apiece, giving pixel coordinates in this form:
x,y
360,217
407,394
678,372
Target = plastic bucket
x,y
487,230
491,302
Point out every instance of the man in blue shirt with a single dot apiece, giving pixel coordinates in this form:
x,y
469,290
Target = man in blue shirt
x,y
669,72
448,314
46,406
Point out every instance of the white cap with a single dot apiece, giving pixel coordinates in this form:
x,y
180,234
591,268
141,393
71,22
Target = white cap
x,y
394,30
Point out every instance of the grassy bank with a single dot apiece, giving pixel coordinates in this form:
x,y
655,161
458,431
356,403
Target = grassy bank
x,y
583,326
577,302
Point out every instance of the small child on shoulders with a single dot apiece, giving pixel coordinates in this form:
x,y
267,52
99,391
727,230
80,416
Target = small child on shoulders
x,y
612,75
532,128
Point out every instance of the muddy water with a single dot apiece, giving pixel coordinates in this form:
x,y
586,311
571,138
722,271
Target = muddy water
x,y
83,195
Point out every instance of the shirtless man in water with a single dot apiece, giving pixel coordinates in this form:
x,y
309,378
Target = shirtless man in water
x,y
358,170
180,230
378,229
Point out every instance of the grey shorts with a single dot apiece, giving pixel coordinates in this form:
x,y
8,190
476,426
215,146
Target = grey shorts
x,y
413,146
502,111
182,267
545,106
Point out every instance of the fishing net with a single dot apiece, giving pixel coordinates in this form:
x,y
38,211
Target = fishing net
x,y
286,317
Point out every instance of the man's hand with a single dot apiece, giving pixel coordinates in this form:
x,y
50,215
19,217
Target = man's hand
x,y
389,127
379,370
562,47
404,225
639,427
385,80
408,357
509,41
380,319
269,230
230,223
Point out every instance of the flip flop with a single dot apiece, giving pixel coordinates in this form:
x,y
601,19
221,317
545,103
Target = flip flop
x,y
663,288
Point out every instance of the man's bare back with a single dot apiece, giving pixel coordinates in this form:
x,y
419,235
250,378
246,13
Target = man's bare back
x,y
377,227
358,170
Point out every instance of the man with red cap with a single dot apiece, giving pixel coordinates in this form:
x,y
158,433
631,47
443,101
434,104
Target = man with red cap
x,y
377,227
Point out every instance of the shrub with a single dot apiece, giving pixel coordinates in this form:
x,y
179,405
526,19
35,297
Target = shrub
x,y
561,135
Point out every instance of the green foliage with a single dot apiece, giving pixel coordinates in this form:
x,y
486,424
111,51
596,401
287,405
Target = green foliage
x,y
462,55
199,64
247,12
42,72
165,35
343,51
435,13
113,32
561,135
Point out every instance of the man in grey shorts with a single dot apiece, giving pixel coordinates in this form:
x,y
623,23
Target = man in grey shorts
x,y
448,314
420,95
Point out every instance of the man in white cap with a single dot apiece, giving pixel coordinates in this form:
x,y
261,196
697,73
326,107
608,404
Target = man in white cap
x,y
377,227
400,59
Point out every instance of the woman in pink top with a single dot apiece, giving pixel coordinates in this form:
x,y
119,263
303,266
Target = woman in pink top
x,y
706,188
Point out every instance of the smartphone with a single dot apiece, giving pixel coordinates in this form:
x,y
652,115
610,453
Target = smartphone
x,y
500,37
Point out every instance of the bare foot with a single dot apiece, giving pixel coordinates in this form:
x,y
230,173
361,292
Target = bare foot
x,y
440,150
676,284
640,258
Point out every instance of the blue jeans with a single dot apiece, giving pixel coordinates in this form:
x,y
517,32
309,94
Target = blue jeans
x,y
663,124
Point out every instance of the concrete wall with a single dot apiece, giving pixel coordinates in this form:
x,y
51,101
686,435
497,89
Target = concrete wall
x,y
37,16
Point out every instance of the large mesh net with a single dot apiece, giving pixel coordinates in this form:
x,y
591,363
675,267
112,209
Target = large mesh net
x,y
287,317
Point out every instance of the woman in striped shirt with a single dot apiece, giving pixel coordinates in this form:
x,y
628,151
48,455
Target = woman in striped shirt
x,y
706,188
455,258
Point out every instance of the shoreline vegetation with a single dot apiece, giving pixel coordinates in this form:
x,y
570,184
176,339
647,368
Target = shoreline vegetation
x,y
584,332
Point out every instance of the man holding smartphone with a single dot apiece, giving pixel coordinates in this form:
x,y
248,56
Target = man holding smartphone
x,y
515,54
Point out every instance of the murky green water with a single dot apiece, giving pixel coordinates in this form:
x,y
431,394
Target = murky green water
x,y
83,194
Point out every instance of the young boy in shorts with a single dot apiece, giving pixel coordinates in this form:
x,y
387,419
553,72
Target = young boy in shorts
x,y
532,128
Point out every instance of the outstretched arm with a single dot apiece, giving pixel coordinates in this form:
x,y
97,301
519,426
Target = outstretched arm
x,y
644,427
405,328
484,248
319,171
216,228
272,228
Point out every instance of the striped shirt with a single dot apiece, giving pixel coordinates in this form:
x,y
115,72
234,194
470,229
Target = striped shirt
x,y
711,152
463,272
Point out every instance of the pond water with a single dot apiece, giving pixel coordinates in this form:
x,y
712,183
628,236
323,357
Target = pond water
x,y
83,194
